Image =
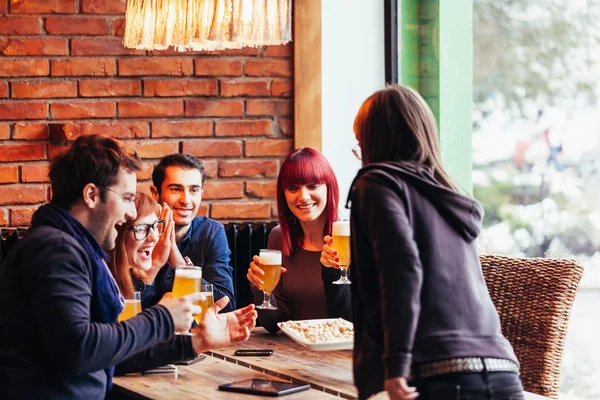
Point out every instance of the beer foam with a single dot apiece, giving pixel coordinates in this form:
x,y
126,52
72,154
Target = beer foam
x,y
341,228
270,257
188,273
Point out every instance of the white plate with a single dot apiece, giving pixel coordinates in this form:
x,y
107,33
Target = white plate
x,y
322,346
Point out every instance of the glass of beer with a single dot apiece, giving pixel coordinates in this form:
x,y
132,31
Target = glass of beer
x,y
207,291
270,263
341,243
133,307
188,280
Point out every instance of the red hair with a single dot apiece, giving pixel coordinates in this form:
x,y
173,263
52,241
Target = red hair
x,y
304,167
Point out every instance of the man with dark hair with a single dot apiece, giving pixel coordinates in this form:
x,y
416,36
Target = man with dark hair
x,y
178,182
59,336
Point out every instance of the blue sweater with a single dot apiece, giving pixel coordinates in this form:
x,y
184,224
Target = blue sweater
x,y
50,346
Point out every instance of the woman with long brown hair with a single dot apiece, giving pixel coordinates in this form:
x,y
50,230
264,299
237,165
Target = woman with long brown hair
x,y
424,322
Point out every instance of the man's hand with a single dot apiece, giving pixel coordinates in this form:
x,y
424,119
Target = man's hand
x,y
398,389
182,309
218,330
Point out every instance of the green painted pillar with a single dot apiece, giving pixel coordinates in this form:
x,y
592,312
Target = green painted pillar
x,y
437,60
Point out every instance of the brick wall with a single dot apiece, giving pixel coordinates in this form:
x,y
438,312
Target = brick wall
x,y
64,73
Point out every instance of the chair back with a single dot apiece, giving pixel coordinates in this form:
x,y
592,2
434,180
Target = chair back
x,y
534,297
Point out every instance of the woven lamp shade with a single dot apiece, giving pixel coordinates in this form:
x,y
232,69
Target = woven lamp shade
x,y
206,24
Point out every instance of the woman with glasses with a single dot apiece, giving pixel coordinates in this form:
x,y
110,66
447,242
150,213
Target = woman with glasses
x,y
424,322
131,264
307,204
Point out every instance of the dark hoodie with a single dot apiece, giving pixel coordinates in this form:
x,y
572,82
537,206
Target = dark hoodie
x,y
418,291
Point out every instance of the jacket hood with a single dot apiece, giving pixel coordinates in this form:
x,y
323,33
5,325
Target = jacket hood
x,y
463,213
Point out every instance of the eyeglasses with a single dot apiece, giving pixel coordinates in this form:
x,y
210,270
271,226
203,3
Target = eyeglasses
x,y
127,198
356,152
141,231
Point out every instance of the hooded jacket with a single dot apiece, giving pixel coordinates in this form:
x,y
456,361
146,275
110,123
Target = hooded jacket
x,y
418,290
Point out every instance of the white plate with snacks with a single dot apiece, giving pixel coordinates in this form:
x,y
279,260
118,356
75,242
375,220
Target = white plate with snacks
x,y
321,334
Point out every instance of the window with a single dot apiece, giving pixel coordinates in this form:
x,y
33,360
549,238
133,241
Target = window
x,y
536,150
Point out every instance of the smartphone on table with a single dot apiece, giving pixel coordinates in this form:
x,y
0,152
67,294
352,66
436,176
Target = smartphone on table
x,y
264,387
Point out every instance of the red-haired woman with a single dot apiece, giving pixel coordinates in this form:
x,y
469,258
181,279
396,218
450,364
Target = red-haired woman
x,y
307,203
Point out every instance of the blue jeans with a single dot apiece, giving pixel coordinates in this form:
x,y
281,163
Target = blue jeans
x,y
470,386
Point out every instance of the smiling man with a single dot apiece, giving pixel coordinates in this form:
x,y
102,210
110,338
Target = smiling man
x,y
178,181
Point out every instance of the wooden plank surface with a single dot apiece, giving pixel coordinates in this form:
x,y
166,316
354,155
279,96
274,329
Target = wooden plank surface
x,y
330,371
200,381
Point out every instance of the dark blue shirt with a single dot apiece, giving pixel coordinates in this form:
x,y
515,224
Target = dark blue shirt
x,y
206,245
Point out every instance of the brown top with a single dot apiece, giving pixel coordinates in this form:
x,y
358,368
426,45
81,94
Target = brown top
x,y
300,293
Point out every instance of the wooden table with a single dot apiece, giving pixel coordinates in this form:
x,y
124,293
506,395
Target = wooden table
x,y
199,381
329,373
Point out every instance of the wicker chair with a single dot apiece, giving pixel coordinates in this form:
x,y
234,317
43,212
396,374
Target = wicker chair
x,y
534,297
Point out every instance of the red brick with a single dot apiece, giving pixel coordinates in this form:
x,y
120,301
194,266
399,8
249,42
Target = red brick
x,y
266,168
286,125
210,168
217,67
155,149
34,47
21,216
3,89
282,88
109,87
43,7
24,67
35,173
33,131
150,108
180,87
269,68
44,89
146,172
214,108
203,210
103,6
155,66
95,109
144,187
246,88
271,147
76,26
3,211
269,107
240,210
56,149
117,130
254,127
3,6
4,131
261,189
23,110
23,194
285,50
20,25
214,190
9,174
118,26
83,67
243,52
101,46
212,148
199,128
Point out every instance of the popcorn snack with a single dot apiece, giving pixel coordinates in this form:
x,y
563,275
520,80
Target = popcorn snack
x,y
338,330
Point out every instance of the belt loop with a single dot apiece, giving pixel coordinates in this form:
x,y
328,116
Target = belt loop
x,y
486,378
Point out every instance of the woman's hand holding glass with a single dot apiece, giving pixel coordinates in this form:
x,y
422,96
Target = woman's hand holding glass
x,y
255,274
329,257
